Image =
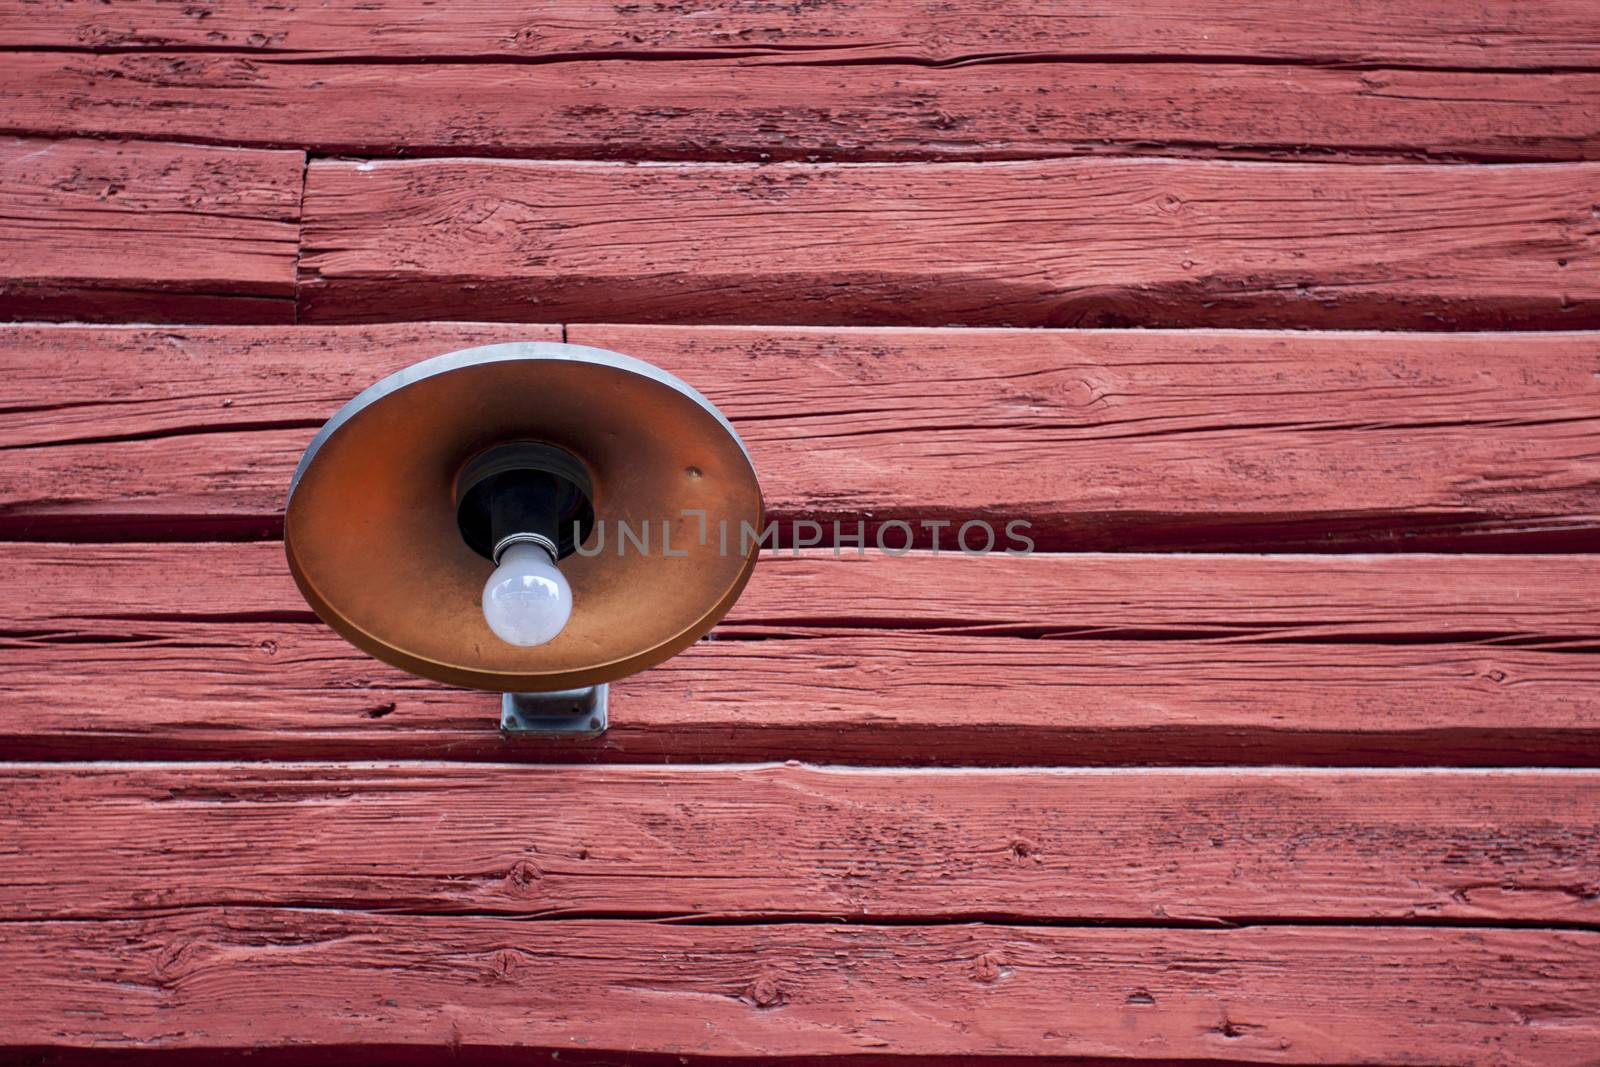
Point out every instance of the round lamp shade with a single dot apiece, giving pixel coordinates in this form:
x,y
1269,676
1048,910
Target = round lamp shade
x,y
373,540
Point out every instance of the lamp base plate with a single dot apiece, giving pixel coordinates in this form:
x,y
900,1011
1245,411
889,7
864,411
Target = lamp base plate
x,y
564,713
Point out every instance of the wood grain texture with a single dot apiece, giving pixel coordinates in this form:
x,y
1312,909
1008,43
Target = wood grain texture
x,y
207,651
785,842
269,690
402,989
1193,439
102,231
232,408
1059,243
1552,34
1100,440
514,905
804,105
1527,601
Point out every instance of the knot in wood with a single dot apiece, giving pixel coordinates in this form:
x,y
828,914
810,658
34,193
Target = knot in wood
x,y
765,992
989,968
523,873
175,959
505,966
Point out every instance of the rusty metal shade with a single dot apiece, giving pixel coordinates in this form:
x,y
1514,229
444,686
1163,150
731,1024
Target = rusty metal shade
x,y
372,536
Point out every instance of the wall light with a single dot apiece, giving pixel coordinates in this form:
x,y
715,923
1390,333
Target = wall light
x,y
534,519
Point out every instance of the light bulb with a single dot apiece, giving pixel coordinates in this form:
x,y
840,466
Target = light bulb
x,y
527,600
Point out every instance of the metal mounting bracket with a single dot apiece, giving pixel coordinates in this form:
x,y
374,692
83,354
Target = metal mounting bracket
x,y
564,713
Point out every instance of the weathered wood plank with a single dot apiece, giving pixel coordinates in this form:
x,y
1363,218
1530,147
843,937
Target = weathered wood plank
x,y
787,842
802,106
1116,440
1164,440
1551,34
186,651
387,989
1526,601
1057,243
99,230
271,690
227,410
71,383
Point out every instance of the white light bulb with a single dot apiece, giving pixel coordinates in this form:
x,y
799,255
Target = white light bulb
x,y
527,600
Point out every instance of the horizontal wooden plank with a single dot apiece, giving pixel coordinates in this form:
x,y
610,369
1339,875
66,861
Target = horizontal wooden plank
x,y
1527,601
87,841
1100,440
231,407
1094,242
398,989
1555,33
270,689
99,230
185,651
804,105
1113,441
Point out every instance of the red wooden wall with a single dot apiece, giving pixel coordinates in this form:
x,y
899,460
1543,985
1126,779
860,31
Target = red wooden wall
x,y
1279,320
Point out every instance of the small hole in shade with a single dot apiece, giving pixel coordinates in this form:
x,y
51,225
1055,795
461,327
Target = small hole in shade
x,y
693,472
594,724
